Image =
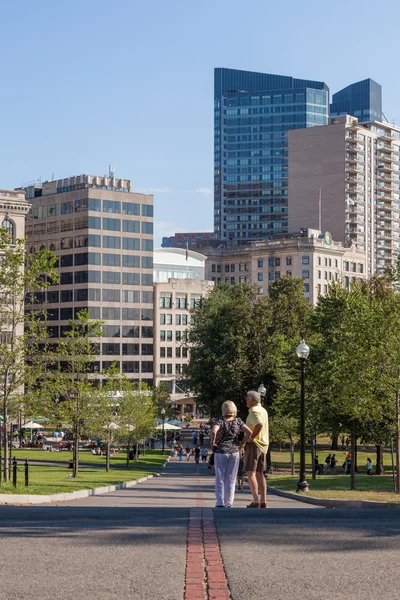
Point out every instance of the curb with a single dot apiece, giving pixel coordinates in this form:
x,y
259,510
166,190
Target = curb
x,y
334,503
16,499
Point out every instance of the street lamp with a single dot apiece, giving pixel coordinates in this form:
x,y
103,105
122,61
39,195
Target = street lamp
x,y
302,351
262,391
163,433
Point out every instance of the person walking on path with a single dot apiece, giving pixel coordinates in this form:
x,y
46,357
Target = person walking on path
x,y
197,451
369,466
256,450
188,453
224,443
204,454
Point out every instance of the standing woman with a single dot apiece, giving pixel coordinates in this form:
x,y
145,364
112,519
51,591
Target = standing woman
x,y
225,445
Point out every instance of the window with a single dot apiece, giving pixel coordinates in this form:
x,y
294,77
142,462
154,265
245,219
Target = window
x,y
178,336
178,352
184,352
133,262
232,268
162,319
130,243
147,331
226,268
130,314
66,278
65,314
319,260
111,295
213,268
87,258
169,352
130,349
67,260
52,297
277,262
319,288
131,226
325,289
345,266
86,294
9,226
162,352
178,369
52,331
147,279
147,245
260,290
52,210
147,262
107,364
178,319
87,277
94,204
305,260
147,366
305,274
111,241
271,276
130,366
94,312
111,314
162,335
147,350
147,210
330,262
66,296
147,227
326,262
288,260
109,348
94,223
147,315
130,331
111,206
260,263
131,296
271,262
306,287
162,368
111,260
166,301
111,330
110,224
277,274
131,278
169,369
260,277
131,208
111,277
66,208
52,314
336,263
184,319
94,240
360,268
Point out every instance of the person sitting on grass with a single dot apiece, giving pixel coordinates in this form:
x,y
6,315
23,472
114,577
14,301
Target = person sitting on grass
x,y
333,463
369,466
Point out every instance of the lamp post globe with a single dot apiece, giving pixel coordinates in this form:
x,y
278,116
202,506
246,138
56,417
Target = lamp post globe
x,y
163,429
302,352
262,391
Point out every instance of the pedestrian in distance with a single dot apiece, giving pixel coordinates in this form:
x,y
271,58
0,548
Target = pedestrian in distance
x,y
197,452
370,468
187,453
225,446
327,463
333,463
256,450
204,454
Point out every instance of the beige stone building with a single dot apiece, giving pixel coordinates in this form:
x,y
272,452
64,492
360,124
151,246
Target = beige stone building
x,y
357,169
179,286
313,256
103,235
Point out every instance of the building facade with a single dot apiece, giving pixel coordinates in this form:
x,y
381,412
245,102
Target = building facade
x,y
179,286
312,256
362,100
357,168
252,114
102,233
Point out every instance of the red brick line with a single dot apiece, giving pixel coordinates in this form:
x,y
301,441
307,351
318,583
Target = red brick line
x,y
205,577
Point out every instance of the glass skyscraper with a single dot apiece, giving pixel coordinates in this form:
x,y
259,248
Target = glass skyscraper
x,y
252,114
362,100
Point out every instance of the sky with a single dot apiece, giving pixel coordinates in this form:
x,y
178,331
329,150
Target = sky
x,y
89,83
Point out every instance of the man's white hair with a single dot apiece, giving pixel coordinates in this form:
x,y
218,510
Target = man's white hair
x,y
254,397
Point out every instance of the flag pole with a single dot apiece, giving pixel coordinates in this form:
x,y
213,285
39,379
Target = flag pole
x,y
319,211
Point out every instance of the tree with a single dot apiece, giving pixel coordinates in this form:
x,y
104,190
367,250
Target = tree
x,y
22,334
162,400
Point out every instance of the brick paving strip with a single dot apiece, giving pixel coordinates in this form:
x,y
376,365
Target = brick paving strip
x,y
205,577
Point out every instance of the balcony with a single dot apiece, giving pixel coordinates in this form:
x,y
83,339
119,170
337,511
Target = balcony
x,y
385,148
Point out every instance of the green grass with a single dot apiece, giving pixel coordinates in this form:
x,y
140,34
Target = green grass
x,y
53,479
151,458
377,488
281,460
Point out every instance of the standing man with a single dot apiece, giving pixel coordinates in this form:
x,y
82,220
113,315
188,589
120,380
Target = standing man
x,y
256,450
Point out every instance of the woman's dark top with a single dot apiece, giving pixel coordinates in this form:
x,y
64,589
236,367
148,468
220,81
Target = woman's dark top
x,y
227,438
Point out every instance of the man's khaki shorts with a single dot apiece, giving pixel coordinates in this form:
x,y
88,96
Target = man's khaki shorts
x,y
254,459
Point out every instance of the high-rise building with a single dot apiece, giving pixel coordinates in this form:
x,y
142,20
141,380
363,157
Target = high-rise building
x,y
362,100
102,233
252,114
356,167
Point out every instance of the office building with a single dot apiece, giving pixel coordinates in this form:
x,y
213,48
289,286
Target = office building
x,y
179,286
357,168
168,242
252,114
103,235
310,255
362,100
193,239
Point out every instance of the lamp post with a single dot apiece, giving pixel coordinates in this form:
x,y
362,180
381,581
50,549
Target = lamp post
x,y
302,351
163,428
262,391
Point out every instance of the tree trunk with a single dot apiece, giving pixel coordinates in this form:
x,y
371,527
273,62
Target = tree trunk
x,y
335,440
108,453
127,453
137,451
353,462
379,470
355,455
291,455
5,457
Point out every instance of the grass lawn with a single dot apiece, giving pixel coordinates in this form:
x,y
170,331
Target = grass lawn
x,y
281,460
53,479
378,488
152,458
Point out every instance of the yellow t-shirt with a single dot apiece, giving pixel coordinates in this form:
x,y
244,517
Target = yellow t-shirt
x,y
258,414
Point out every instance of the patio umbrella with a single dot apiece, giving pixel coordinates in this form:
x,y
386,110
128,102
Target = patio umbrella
x,y
167,426
31,425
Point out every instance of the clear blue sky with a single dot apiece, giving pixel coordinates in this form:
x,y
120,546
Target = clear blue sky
x,y
86,83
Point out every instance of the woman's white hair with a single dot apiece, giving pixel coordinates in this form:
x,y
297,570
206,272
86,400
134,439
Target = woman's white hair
x,y
229,409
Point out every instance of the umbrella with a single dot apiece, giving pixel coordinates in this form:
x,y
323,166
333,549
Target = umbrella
x,y
167,426
31,425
